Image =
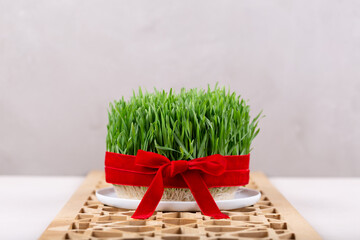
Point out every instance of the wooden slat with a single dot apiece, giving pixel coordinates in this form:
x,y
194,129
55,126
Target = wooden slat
x,y
273,217
296,222
71,209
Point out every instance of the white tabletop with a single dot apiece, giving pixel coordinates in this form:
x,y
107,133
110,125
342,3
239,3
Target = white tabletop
x,y
330,205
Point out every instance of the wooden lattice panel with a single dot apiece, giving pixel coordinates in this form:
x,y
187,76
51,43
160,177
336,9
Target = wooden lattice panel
x,y
84,217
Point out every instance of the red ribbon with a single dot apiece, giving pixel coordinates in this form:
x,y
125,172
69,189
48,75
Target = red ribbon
x,y
197,175
189,170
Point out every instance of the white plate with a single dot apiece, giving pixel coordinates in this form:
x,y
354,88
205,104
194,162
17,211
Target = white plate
x,y
243,197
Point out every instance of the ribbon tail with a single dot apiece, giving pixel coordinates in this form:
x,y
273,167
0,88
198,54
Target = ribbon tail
x,y
151,198
202,195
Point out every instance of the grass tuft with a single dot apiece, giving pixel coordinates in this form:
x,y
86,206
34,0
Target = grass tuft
x,y
191,124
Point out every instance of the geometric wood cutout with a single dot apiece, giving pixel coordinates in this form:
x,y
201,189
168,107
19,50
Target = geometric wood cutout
x,y
84,217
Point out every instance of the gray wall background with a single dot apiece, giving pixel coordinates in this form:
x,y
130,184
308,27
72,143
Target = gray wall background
x,y
62,62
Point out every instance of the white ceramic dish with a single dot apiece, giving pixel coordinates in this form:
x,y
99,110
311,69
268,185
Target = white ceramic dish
x,y
243,197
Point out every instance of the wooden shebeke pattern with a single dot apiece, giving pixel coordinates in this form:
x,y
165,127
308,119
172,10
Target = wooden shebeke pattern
x,y
84,217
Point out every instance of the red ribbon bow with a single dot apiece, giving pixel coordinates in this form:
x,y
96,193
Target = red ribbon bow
x,y
190,172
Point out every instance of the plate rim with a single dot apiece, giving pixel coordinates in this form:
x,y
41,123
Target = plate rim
x,y
223,201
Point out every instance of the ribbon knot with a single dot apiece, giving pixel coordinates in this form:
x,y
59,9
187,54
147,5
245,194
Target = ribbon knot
x,y
190,172
177,167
